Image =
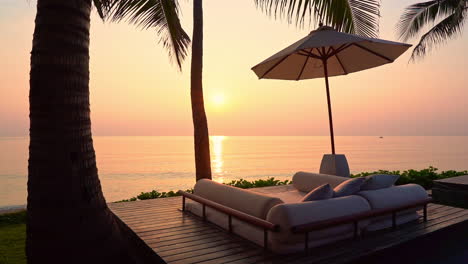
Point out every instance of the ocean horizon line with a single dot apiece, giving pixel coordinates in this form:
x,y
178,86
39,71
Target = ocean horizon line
x,y
25,136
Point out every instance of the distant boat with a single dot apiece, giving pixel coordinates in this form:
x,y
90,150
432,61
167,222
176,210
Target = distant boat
x,y
380,137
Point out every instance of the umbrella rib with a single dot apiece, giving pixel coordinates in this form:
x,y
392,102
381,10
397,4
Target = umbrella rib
x,y
338,58
309,54
339,49
373,52
303,66
276,64
321,54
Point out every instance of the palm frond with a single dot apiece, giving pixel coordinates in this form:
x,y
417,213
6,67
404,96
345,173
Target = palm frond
x,y
418,15
351,16
446,29
163,15
101,7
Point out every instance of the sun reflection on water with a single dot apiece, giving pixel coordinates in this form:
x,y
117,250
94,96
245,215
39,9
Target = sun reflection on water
x,y
217,161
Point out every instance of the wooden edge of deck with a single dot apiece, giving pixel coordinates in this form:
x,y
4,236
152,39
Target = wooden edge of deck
x,y
145,253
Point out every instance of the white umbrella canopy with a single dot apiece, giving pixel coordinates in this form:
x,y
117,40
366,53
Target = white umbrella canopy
x,y
344,53
326,52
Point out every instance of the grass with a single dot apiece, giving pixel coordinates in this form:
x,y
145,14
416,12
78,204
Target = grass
x,y
12,238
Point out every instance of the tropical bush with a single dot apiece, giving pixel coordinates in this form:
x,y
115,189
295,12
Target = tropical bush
x,y
241,183
422,177
245,184
154,195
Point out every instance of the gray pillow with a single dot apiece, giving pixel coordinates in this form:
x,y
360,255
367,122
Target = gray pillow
x,y
320,193
379,181
349,187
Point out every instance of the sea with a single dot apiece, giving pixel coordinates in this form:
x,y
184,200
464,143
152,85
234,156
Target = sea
x,y
130,165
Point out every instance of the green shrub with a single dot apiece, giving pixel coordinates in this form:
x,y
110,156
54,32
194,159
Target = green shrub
x,y
422,177
241,183
153,195
245,184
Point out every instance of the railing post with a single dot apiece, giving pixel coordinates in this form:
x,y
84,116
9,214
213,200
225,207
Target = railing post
x,y
394,220
183,203
204,212
265,239
425,213
230,223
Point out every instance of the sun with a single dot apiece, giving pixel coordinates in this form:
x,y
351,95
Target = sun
x,y
218,99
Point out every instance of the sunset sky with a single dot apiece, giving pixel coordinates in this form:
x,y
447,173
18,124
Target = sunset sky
x,y
135,90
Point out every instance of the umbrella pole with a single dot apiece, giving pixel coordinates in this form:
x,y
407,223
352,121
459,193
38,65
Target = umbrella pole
x,y
329,107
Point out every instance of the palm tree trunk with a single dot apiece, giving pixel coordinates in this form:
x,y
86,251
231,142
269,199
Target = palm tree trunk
x,y
68,218
200,124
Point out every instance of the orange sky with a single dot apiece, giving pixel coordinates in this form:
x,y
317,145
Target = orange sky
x,y
136,91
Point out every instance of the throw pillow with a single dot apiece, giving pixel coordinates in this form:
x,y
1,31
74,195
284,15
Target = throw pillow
x,y
320,193
349,187
379,181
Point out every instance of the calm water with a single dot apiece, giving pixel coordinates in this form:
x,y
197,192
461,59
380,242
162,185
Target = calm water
x,y
130,165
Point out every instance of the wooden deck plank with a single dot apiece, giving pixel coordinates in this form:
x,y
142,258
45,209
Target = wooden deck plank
x,y
249,260
163,224
169,228
168,243
205,251
183,238
189,244
177,235
160,212
211,256
162,227
193,247
155,219
138,205
240,257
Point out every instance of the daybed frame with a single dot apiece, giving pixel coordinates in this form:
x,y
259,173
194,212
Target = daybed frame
x,y
305,228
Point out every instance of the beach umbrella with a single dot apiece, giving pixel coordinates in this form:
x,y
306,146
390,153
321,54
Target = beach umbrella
x,y
326,52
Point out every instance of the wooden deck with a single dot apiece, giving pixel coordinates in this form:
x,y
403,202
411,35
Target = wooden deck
x,y
184,238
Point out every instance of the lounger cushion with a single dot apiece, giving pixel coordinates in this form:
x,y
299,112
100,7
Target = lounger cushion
x,y
349,187
251,203
306,181
394,196
294,196
289,215
379,181
322,192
